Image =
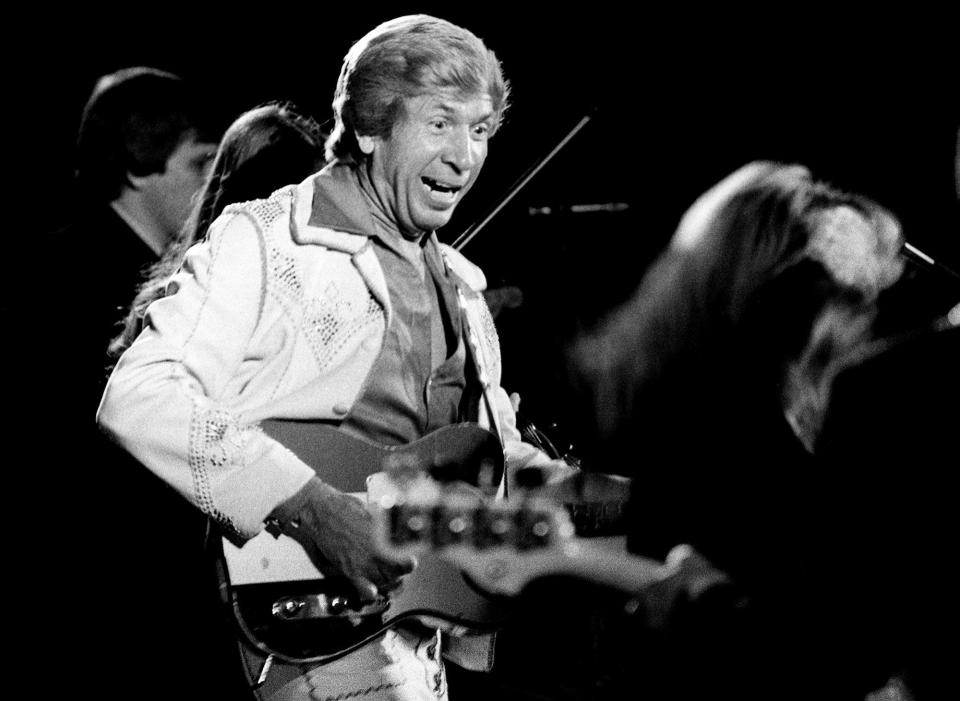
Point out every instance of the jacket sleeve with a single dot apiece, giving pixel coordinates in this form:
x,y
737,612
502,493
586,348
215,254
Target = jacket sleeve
x,y
173,399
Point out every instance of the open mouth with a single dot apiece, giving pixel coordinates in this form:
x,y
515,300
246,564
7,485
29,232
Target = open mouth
x,y
441,188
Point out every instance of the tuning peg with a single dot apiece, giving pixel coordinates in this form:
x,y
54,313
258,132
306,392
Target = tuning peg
x,y
534,529
409,524
493,528
453,524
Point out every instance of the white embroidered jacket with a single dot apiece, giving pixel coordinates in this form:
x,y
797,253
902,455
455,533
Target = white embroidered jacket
x,y
270,318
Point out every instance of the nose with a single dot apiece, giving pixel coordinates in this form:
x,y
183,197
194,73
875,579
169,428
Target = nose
x,y
462,152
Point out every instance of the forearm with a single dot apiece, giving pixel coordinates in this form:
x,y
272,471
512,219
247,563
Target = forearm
x,y
229,469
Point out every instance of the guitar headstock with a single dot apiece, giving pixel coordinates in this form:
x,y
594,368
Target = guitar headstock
x,y
501,545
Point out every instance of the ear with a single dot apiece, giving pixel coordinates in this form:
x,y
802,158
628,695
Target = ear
x,y
366,144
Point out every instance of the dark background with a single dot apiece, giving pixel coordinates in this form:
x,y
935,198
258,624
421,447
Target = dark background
x,y
678,99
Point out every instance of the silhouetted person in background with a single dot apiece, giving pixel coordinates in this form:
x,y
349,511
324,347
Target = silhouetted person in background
x,y
887,421
264,149
697,387
143,150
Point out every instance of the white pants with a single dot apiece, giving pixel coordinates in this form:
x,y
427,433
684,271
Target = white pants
x,y
399,666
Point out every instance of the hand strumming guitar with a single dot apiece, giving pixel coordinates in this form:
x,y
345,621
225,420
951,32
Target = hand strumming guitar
x,y
336,531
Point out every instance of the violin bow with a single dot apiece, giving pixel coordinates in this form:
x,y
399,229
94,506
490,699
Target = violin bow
x,y
475,228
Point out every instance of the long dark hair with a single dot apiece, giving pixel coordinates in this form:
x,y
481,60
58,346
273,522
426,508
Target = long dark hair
x,y
770,275
266,148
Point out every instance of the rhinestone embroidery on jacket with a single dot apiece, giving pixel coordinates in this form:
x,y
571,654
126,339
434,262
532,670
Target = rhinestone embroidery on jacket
x,y
328,321
216,441
491,341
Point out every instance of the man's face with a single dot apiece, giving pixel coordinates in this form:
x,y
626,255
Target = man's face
x,y
169,195
431,158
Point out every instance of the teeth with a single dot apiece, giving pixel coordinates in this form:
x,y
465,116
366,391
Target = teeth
x,y
434,185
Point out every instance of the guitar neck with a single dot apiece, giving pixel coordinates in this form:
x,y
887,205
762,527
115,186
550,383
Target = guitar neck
x,y
604,561
503,546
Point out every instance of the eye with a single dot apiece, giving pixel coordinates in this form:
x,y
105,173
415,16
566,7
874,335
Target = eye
x,y
481,131
438,124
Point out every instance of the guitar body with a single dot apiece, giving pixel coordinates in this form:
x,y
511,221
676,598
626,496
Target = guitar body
x,y
461,452
286,609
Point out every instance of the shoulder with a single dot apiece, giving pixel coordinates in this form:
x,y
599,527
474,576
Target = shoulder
x,y
462,267
265,211
261,218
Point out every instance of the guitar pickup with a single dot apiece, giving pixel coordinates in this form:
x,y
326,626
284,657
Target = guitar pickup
x,y
311,606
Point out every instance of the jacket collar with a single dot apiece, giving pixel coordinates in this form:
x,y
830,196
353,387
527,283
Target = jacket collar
x,y
329,211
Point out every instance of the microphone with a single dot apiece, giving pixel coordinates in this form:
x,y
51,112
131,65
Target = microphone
x,y
547,210
916,255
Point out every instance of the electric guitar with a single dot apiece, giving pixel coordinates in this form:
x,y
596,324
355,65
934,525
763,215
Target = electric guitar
x,y
284,608
474,553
